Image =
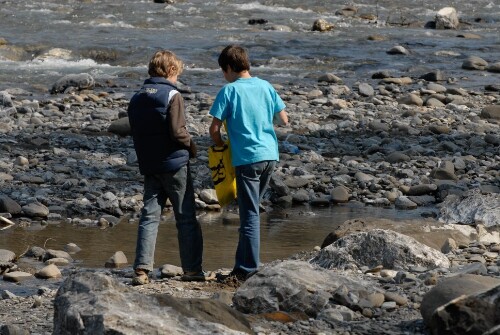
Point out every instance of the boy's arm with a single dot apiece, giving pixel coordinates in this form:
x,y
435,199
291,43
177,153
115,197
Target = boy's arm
x,y
215,132
178,124
281,118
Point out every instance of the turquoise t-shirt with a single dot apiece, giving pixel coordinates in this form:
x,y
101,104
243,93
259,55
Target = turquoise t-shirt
x,y
248,106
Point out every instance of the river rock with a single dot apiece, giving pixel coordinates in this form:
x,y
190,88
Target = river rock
x,y
475,313
93,303
17,276
8,205
340,194
170,271
7,256
436,75
447,18
411,99
472,208
445,171
380,247
495,67
366,90
397,157
50,271
51,253
321,25
78,81
120,127
491,112
433,102
330,78
398,50
290,286
451,288
421,189
474,63
35,209
118,260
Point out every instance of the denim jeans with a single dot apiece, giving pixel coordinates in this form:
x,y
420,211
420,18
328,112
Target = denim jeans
x,y
178,187
252,181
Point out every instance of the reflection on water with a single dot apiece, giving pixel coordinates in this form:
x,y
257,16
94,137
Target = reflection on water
x,y
283,233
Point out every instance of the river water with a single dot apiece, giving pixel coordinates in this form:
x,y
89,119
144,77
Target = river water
x,y
283,233
113,40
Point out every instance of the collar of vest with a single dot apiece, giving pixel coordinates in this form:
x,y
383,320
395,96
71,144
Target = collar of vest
x,y
159,80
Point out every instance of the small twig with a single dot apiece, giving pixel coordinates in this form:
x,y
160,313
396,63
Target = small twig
x,y
23,253
50,238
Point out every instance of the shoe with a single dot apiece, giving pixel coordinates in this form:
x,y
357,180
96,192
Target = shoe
x,y
140,277
198,276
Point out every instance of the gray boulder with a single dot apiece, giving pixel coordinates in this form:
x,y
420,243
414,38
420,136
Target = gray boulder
x,y
120,127
471,208
379,247
291,286
78,81
93,303
446,291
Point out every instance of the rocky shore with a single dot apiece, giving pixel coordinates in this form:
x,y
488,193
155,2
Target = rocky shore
x,y
410,140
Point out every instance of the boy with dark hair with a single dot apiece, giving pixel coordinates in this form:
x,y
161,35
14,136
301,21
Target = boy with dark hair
x,y
164,146
248,105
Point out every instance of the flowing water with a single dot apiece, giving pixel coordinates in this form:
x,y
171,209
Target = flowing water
x,y
113,40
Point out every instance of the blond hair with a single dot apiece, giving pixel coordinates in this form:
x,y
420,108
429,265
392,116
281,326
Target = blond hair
x,y
165,63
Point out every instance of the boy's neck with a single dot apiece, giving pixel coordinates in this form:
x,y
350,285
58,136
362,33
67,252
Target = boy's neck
x,y
233,76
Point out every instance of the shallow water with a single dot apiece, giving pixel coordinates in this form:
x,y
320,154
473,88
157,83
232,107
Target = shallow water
x,y
283,233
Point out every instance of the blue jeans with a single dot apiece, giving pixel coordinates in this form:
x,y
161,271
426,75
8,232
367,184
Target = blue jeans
x,y
252,181
178,187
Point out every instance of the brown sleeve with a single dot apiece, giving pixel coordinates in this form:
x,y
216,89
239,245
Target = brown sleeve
x,y
178,121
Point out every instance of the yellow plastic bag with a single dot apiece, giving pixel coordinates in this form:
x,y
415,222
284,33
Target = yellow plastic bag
x,y
223,175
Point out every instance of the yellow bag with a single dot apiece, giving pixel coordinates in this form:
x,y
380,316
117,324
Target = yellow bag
x,y
223,174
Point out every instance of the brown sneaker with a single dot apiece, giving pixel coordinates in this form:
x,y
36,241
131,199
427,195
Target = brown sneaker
x,y
140,277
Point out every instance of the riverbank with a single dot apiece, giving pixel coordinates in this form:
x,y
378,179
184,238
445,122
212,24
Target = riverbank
x,y
397,141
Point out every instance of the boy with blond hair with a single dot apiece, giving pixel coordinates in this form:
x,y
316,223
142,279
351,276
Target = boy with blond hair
x,y
164,146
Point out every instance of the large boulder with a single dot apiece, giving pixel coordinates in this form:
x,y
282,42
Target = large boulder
x,y
471,208
93,303
379,247
292,286
461,303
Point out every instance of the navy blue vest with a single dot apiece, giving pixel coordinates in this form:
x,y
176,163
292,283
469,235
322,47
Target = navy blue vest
x,y
148,111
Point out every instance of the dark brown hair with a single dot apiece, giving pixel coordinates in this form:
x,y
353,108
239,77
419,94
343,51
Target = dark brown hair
x,y
164,63
235,57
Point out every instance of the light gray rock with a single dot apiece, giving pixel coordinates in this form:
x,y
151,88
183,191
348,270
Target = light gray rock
x,y
209,196
474,63
93,303
321,25
17,276
118,260
445,171
7,256
169,271
289,286
366,90
411,99
50,253
447,18
340,194
472,208
379,247
49,271
78,81
331,78
35,209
